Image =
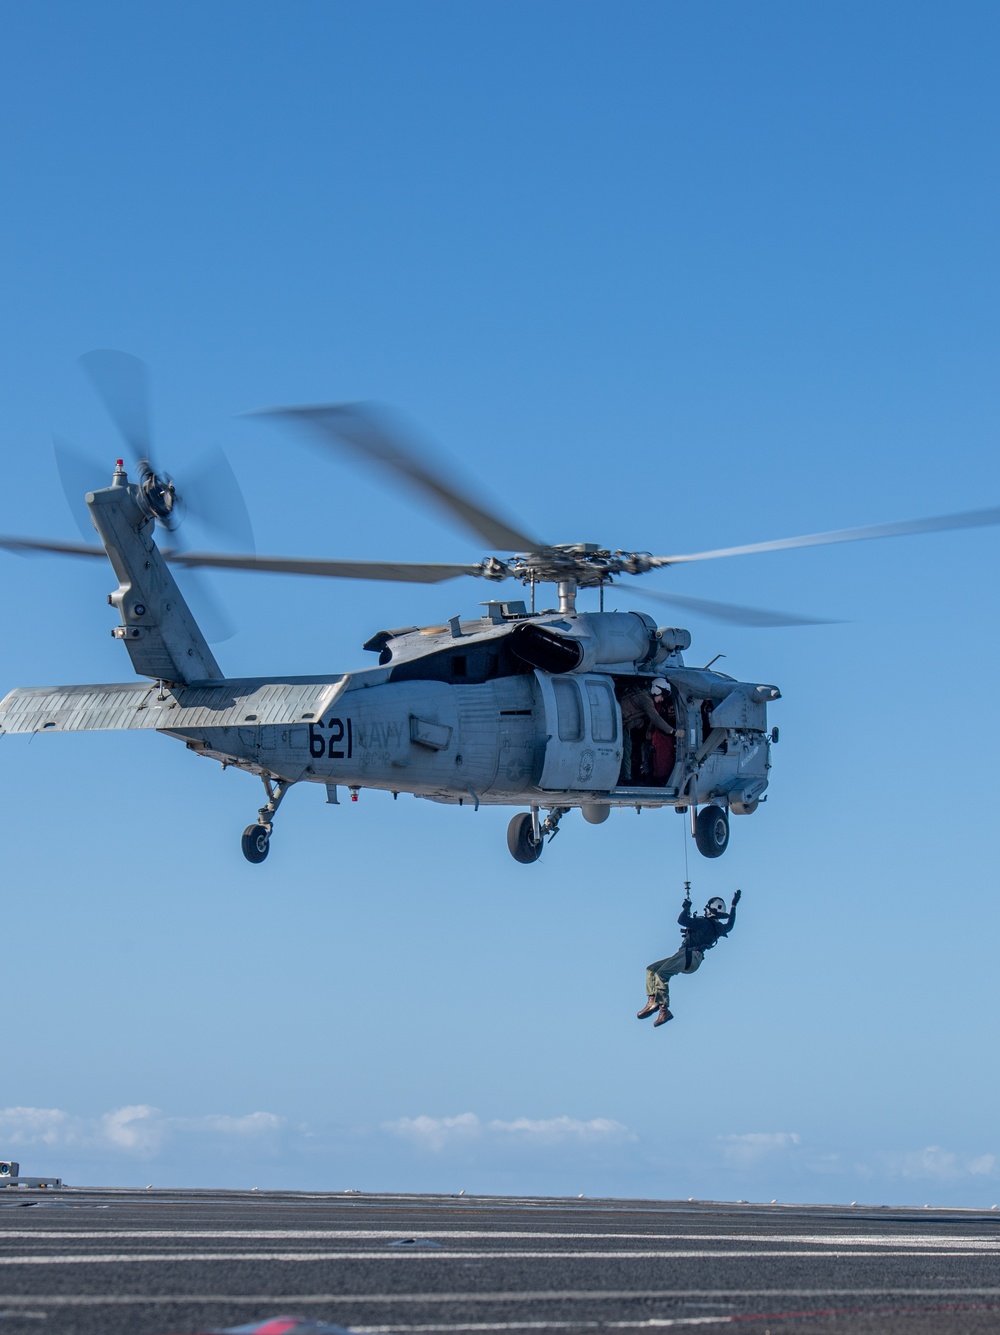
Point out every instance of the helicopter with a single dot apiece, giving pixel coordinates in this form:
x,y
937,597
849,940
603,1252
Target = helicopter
x,y
521,707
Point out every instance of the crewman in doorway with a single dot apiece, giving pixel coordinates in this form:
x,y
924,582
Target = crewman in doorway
x,y
699,934
639,715
662,746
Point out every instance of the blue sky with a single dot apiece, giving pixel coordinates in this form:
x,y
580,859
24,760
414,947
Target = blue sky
x,y
664,276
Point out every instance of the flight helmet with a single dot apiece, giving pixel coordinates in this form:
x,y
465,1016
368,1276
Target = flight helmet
x,y
659,686
715,906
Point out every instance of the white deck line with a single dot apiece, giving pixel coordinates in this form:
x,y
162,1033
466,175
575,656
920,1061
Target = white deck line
x,y
988,1241
434,1254
290,1300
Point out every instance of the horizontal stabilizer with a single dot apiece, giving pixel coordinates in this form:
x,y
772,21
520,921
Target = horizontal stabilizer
x,y
241,702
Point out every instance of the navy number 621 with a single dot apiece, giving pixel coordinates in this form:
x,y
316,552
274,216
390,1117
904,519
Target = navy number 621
x,y
327,746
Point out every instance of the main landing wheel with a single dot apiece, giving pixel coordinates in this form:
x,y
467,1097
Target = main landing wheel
x,y
256,842
711,831
520,841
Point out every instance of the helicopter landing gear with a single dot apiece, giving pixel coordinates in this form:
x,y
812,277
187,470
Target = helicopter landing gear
x,y
256,841
524,844
550,825
526,834
711,831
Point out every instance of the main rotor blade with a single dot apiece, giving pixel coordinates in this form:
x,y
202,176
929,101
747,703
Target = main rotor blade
x,y
735,613
122,386
371,434
901,529
404,572
211,616
30,546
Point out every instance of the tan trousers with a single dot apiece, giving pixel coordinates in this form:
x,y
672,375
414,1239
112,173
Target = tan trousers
x,y
659,974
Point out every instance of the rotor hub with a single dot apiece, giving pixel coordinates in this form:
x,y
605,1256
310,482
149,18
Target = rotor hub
x,y
158,496
585,564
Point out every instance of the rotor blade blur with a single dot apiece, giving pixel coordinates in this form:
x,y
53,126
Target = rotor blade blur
x,y
734,613
34,546
206,608
402,572
78,475
903,528
213,498
121,383
215,622
370,433
197,592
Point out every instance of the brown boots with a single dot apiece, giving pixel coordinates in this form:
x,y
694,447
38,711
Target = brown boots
x,y
651,1007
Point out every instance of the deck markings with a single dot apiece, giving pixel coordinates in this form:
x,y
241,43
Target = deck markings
x,y
987,1241
291,1300
443,1257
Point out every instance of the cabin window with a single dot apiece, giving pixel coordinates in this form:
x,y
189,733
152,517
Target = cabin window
x,y
459,666
603,716
568,707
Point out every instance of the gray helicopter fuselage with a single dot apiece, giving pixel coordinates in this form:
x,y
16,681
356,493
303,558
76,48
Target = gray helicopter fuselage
x,y
512,708
515,733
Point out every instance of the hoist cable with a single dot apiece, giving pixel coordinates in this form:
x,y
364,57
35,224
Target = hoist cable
x,y
684,836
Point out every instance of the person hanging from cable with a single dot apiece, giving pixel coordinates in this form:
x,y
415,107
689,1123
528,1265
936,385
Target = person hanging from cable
x,y
699,933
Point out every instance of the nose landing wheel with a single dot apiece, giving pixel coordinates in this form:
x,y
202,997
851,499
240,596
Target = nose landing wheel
x,y
256,843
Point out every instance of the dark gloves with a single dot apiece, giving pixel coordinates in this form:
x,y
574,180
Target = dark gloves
x,y
736,897
686,906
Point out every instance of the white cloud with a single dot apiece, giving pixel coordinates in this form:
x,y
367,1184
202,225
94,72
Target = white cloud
x,y
752,1146
137,1130
35,1126
934,1164
562,1128
438,1133
434,1133
984,1166
252,1124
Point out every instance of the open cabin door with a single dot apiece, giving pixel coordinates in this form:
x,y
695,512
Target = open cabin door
x,y
584,727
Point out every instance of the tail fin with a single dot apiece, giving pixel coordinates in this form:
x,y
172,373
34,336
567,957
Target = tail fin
x,y
160,633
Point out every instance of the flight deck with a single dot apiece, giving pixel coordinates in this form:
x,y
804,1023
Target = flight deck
x,y
129,1262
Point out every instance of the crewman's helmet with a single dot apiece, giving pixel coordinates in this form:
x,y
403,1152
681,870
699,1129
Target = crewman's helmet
x,y
715,906
659,686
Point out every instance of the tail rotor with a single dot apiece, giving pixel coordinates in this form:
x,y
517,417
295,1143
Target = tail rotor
x,y
211,499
